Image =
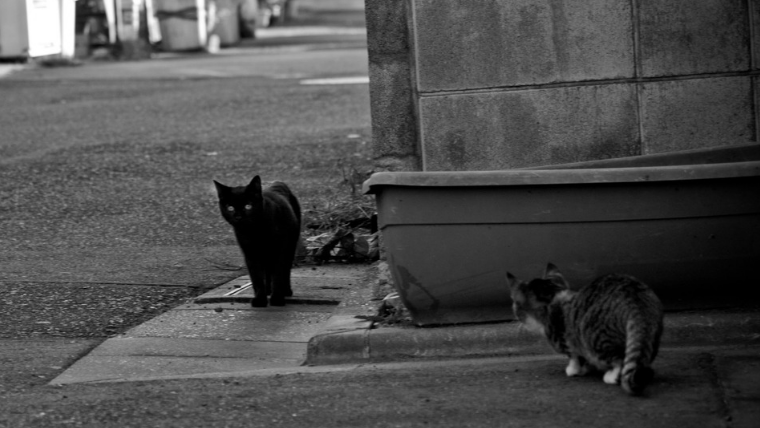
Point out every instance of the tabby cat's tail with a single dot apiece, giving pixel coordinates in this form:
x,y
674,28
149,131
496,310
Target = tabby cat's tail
x,y
640,350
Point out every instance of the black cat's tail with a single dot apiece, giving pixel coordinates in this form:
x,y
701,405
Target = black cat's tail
x,y
640,351
283,189
296,208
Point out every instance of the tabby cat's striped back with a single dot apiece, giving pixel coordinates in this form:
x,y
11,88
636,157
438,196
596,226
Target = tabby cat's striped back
x,y
613,324
617,318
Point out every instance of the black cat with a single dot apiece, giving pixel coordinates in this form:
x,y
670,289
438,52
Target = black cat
x,y
267,226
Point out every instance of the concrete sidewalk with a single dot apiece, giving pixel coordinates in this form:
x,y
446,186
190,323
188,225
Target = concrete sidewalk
x,y
348,337
345,339
325,323
219,333
711,354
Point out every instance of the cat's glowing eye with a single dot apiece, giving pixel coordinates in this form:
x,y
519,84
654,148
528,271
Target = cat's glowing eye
x,y
230,208
249,207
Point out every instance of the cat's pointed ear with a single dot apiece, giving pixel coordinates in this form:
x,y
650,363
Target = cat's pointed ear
x,y
254,186
220,188
555,276
512,281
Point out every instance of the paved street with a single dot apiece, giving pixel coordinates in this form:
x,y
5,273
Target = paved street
x,y
499,392
108,219
105,180
108,215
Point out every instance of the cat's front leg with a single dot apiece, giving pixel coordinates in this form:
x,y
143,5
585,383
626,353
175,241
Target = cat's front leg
x,y
576,366
260,300
258,278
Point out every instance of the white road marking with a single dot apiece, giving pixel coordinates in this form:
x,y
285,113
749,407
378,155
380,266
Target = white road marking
x,y
337,81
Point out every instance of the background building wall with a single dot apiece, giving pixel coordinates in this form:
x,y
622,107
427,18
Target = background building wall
x,y
497,84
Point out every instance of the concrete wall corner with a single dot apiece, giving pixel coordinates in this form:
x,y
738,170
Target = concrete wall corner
x,y
392,91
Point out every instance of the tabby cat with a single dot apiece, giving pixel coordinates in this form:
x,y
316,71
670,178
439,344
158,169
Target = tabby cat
x,y
614,324
267,225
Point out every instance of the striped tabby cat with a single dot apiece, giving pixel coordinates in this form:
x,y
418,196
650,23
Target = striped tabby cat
x,y
614,324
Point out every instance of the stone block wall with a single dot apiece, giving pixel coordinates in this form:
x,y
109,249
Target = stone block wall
x,y
498,84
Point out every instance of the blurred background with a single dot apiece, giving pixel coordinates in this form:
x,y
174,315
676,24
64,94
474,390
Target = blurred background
x,y
133,29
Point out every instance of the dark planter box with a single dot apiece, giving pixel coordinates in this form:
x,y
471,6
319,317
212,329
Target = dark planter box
x,y
686,223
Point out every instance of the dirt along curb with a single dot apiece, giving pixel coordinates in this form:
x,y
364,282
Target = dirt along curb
x,y
348,337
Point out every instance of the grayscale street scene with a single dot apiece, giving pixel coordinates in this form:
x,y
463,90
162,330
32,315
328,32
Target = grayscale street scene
x,y
379,213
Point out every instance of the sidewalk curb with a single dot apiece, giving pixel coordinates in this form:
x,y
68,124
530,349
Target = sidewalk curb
x,y
399,343
346,339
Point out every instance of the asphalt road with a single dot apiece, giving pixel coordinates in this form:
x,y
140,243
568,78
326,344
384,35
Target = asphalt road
x,y
467,393
108,215
106,200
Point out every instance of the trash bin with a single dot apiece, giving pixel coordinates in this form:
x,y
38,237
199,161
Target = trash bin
x,y
183,24
227,22
249,10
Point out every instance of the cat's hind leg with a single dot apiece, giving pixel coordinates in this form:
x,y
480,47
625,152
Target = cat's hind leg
x,y
277,299
268,281
612,376
576,367
280,285
287,266
291,250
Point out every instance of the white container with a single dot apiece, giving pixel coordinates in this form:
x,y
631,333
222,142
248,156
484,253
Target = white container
x,y
34,28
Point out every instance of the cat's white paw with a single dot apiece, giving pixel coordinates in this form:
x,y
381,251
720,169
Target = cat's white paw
x,y
533,325
574,368
612,376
